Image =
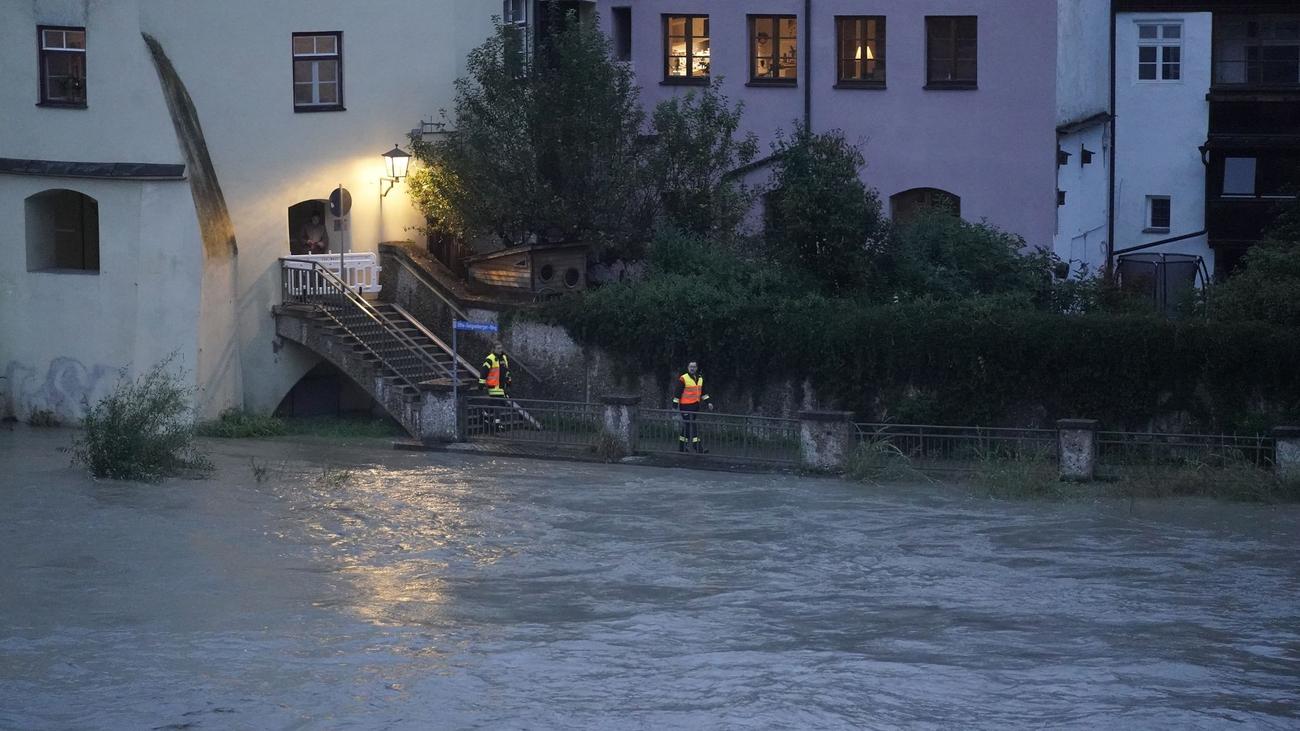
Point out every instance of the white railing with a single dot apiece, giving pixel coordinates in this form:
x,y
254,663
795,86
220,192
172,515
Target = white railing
x,y
360,269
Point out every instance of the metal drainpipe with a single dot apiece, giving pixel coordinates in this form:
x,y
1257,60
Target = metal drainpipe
x,y
1114,157
807,64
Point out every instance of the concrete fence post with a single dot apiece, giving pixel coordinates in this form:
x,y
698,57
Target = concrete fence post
x,y
1078,449
619,419
1287,441
826,439
439,415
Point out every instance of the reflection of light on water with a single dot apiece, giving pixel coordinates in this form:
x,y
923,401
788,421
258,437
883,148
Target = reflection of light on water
x,y
393,535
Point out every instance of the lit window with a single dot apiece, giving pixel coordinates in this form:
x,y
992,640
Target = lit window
x,y
773,49
1160,51
62,232
63,66
1158,213
861,43
317,72
951,52
686,49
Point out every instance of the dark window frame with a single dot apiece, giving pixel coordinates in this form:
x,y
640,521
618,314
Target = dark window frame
x,y
952,40
42,53
337,56
842,82
691,78
751,40
1151,223
620,25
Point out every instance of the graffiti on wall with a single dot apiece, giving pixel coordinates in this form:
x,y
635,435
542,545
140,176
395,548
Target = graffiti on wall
x,y
67,388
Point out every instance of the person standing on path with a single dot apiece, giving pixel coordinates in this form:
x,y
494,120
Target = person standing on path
x,y
495,378
690,394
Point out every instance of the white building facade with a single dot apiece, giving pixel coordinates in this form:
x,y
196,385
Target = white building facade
x,y
159,156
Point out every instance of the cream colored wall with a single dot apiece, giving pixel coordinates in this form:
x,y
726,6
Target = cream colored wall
x,y
400,58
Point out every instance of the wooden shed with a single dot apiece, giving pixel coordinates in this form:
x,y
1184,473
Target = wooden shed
x,y
536,268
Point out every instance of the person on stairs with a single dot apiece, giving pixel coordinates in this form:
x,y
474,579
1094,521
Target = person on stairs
x,y
495,378
690,394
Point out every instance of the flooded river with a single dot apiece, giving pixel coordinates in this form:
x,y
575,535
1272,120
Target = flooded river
x,y
448,591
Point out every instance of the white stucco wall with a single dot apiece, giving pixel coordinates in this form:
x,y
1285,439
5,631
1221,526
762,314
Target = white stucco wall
x,y
1159,127
1081,223
400,58
1082,59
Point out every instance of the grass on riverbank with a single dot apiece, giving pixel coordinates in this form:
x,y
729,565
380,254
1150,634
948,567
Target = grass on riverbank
x,y
238,424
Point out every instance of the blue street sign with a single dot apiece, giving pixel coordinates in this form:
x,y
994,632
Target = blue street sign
x,y
485,327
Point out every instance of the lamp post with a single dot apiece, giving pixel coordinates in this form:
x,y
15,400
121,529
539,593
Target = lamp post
x,y
396,161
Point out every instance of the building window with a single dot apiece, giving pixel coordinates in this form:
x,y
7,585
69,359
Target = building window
x,y
63,66
1239,176
951,45
1257,49
514,12
318,72
62,232
1160,51
906,205
686,49
621,22
773,49
861,43
1158,214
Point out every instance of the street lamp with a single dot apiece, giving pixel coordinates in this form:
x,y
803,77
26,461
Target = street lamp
x,y
396,161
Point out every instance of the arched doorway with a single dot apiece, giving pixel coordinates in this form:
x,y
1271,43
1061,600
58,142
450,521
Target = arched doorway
x,y
309,223
905,205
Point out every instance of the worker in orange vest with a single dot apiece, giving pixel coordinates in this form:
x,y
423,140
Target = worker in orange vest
x,y
496,377
690,394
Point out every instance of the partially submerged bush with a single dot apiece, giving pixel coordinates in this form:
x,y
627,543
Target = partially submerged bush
x,y
43,418
143,430
240,424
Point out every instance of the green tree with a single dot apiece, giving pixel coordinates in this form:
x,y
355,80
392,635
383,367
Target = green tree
x,y
697,146
821,217
938,255
543,146
1267,285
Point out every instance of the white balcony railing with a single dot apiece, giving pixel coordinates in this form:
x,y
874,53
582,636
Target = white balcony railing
x,y
360,269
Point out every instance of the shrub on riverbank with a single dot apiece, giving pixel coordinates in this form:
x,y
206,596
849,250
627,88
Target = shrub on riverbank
x,y
240,424
143,430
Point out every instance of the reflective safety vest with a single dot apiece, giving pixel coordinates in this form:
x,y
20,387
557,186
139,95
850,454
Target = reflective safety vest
x,y
692,389
492,374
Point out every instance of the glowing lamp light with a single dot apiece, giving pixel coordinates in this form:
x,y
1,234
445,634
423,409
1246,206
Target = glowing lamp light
x,y
396,161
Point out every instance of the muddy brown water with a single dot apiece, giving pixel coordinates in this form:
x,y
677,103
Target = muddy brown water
x,y
447,591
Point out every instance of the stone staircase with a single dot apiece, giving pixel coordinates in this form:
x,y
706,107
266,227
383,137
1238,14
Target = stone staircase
x,y
404,366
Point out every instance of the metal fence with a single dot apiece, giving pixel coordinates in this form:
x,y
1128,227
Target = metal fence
x,y
561,423
757,438
961,446
1118,448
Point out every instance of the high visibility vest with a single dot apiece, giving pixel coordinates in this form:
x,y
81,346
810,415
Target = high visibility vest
x,y
692,389
492,377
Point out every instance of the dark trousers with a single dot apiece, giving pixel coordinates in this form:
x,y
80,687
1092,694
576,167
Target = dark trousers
x,y
690,434
496,414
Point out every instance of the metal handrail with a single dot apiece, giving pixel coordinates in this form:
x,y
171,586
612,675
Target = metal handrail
x,y
339,288
474,373
425,279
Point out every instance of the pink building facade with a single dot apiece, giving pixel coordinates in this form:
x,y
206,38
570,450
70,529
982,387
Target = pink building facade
x,y
948,99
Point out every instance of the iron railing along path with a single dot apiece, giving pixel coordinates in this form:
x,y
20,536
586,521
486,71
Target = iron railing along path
x,y
961,446
1120,448
758,438
532,421
311,283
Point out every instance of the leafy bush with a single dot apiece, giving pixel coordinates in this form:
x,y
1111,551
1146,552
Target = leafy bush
x,y
143,430
821,217
240,424
43,418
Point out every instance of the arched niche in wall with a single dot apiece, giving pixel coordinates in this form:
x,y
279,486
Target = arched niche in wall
x,y
905,205
62,232
309,222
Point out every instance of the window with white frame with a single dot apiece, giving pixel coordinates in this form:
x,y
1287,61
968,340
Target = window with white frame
x,y
63,66
514,12
1158,213
1160,51
318,72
